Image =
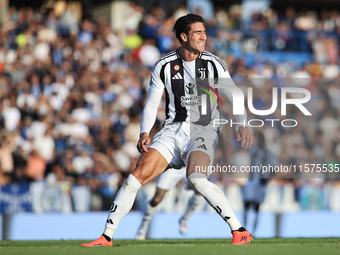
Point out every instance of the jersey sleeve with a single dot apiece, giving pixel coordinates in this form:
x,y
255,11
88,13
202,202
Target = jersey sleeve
x,y
225,79
150,111
153,99
156,83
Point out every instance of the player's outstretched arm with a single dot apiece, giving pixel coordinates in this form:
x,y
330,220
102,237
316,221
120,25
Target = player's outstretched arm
x,y
148,120
245,136
144,140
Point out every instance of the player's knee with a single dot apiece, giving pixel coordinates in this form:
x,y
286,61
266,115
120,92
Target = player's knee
x,y
160,193
155,201
142,171
197,180
140,174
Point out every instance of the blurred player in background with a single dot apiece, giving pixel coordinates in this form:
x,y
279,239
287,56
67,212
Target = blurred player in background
x,y
254,190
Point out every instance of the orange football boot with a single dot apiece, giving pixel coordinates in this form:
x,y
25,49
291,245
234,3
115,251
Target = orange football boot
x,y
101,241
241,237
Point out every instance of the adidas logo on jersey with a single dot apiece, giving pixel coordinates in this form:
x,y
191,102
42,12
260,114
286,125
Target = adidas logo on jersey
x,y
177,76
202,147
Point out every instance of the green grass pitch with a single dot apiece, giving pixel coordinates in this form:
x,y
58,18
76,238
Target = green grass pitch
x,y
177,247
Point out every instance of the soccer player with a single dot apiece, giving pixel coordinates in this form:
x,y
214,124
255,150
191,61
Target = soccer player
x,y
189,136
165,182
255,189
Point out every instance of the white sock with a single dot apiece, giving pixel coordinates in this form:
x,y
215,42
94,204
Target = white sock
x,y
149,212
193,203
122,204
215,197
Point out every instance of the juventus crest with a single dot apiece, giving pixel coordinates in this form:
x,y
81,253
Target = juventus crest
x,y
202,73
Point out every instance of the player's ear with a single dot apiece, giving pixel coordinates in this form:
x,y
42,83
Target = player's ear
x,y
184,37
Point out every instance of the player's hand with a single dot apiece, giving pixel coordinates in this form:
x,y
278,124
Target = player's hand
x,y
245,136
144,140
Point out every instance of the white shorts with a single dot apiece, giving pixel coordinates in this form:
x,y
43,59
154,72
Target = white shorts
x,y
170,178
176,141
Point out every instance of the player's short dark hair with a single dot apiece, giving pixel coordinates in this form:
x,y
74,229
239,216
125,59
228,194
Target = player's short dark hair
x,y
183,24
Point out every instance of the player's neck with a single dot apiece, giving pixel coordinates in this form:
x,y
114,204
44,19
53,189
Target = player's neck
x,y
187,55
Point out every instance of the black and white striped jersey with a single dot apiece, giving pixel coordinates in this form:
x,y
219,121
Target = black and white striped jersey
x,y
189,86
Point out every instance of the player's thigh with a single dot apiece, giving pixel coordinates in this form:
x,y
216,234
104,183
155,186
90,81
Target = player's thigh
x,y
150,165
198,161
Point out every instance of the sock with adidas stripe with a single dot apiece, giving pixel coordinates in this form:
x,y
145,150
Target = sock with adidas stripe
x,y
215,197
122,204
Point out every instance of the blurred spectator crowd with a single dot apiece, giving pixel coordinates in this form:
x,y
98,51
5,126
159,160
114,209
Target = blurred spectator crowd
x,y
72,92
